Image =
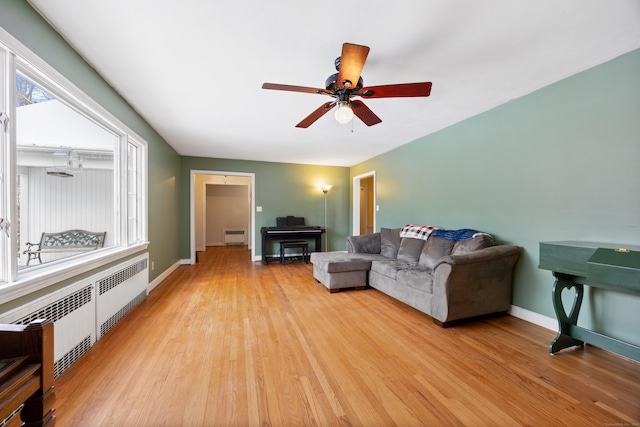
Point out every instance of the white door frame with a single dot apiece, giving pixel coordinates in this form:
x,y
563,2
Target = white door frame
x,y
356,201
192,211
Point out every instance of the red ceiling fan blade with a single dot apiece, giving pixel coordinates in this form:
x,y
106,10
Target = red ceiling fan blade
x,y
364,113
311,118
396,91
351,63
290,88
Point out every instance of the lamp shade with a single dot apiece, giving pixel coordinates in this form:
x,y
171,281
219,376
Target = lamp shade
x,y
344,113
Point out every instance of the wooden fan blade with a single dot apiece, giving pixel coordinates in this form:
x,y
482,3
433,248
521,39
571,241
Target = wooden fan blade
x,y
351,63
311,118
396,91
290,88
364,113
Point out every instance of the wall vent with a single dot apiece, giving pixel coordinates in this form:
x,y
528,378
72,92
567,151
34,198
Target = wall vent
x,y
72,355
121,276
72,310
234,236
111,322
84,311
119,290
58,309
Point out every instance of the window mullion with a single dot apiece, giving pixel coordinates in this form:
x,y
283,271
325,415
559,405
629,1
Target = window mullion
x,y
8,245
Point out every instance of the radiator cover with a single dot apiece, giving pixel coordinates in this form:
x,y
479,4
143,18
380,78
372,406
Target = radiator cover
x,y
84,311
234,236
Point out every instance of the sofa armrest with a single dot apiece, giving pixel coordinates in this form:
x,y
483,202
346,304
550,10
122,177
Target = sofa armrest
x,y
473,284
364,244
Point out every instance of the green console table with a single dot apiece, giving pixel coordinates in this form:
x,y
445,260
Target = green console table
x,y
599,265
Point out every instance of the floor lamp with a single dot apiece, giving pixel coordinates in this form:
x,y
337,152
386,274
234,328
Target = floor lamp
x,y
325,190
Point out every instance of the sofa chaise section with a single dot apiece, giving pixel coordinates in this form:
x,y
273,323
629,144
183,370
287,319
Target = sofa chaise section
x,y
339,270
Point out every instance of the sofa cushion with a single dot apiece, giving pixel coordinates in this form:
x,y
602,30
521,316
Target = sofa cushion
x,y
388,267
364,244
418,278
410,250
389,242
481,241
435,248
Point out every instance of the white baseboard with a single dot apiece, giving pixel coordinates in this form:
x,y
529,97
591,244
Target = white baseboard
x,y
533,317
163,276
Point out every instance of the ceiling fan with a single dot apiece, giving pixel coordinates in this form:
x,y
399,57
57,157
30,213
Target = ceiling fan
x,y
346,84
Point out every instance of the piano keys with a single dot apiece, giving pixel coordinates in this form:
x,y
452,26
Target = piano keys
x,y
599,265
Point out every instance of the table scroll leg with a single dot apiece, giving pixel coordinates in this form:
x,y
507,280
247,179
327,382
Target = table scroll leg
x,y
564,338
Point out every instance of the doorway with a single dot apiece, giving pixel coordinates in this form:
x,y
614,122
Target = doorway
x,y
201,183
364,204
225,216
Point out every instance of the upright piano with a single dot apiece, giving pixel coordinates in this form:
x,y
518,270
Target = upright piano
x,y
291,228
599,265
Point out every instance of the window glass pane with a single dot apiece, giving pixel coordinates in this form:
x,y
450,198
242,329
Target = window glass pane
x,y
65,167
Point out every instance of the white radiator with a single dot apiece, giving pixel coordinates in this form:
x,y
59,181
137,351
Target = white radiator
x,y
118,290
72,310
234,236
84,311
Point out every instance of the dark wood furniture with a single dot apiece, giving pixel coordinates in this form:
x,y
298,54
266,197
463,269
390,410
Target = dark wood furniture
x,y
304,245
26,374
599,265
290,228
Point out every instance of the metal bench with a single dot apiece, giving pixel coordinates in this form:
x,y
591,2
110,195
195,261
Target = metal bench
x,y
65,241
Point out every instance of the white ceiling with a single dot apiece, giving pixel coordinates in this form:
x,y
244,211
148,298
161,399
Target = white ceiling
x,y
194,68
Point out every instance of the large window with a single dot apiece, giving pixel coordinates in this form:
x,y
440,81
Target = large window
x,y
67,165
65,168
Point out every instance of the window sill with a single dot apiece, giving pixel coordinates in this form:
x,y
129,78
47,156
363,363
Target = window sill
x,y
38,278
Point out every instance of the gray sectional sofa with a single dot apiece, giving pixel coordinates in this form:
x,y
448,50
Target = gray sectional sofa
x,y
450,276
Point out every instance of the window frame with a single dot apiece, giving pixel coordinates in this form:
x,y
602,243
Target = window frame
x,y
14,58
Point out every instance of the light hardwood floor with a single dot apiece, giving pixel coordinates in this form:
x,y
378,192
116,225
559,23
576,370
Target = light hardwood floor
x,y
229,342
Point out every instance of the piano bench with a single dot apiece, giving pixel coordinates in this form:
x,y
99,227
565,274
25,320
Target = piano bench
x,y
294,245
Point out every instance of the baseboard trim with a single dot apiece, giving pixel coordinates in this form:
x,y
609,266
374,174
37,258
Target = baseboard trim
x,y
162,276
533,317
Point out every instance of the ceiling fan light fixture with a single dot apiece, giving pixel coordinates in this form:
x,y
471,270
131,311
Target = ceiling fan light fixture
x,y
348,83
344,113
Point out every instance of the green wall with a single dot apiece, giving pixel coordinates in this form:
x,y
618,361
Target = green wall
x,y
281,189
562,163
19,19
558,164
